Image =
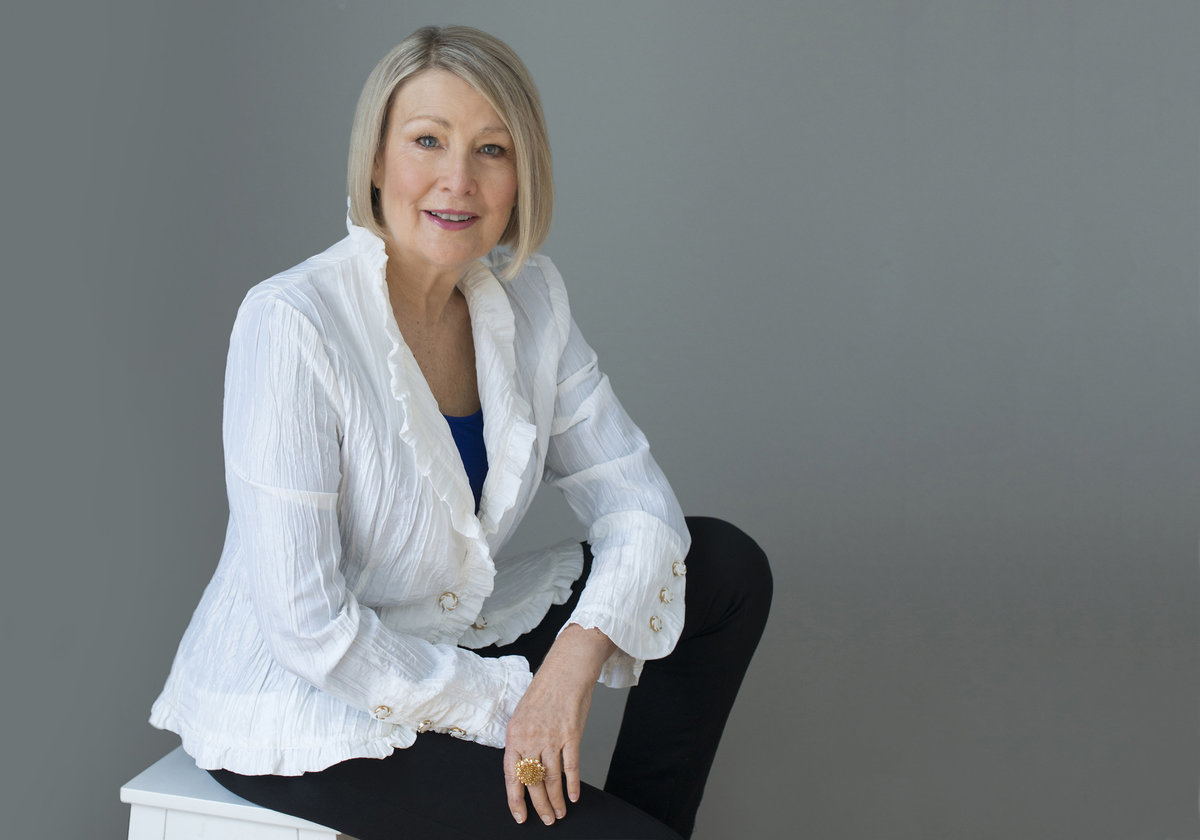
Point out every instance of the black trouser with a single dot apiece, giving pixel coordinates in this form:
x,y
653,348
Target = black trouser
x,y
441,787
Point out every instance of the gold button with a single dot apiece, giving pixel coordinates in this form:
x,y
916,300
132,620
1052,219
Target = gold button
x,y
382,712
448,601
679,568
655,623
425,726
665,595
480,623
455,732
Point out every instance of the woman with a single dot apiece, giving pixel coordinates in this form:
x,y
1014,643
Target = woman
x,y
391,405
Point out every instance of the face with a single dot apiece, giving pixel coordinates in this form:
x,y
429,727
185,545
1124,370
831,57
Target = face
x,y
446,175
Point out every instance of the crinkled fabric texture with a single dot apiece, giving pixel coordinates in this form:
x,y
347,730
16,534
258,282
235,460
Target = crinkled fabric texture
x,y
356,574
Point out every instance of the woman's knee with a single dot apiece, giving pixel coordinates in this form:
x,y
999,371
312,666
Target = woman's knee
x,y
728,557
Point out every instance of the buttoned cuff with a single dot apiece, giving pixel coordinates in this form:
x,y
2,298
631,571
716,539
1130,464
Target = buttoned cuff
x,y
481,715
635,592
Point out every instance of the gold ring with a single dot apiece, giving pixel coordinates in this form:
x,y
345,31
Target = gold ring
x,y
531,771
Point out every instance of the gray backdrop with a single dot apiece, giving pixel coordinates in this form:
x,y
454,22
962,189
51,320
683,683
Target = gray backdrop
x,y
907,289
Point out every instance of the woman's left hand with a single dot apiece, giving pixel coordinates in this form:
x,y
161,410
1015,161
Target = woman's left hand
x,y
549,721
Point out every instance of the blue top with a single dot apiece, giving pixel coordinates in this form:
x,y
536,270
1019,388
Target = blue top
x,y
468,437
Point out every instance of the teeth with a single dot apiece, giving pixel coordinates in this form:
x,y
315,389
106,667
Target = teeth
x,y
451,217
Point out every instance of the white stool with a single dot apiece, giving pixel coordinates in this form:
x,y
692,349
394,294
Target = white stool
x,y
173,799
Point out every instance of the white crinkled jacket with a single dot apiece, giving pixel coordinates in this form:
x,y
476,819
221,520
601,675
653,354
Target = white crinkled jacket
x,y
355,574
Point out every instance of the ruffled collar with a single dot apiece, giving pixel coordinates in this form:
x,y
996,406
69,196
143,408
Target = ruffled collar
x,y
508,434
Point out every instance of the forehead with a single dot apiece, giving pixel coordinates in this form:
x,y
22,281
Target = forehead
x,y
446,98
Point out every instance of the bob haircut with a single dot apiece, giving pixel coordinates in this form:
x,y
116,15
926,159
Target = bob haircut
x,y
492,68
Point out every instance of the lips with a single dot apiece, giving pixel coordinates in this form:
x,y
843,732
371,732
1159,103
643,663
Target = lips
x,y
451,219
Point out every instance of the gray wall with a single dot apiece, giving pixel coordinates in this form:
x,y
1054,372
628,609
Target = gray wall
x,y
907,289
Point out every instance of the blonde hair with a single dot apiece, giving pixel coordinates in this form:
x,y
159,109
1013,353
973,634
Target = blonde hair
x,y
492,68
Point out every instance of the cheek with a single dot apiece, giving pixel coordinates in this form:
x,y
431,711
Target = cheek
x,y
409,183
405,179
506,190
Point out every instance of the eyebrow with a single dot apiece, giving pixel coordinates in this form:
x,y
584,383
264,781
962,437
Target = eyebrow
x,y
488,129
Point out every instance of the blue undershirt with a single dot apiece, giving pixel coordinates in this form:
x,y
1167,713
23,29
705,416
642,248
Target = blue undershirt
x,y
468,437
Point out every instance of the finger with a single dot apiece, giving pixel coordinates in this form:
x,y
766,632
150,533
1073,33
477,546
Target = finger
x,y
554,782
570,756
513,787
541,803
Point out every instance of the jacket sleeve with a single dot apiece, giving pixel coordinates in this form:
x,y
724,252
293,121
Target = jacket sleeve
x,y
282,432
602,463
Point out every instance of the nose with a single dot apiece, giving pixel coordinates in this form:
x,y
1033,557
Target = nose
x,y
458,174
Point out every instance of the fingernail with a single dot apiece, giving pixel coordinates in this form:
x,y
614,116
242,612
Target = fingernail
x,y
518,817
548,820
560,814
574,797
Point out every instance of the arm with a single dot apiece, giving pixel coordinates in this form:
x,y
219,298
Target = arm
x,y
601,461
550,719
632,606
282,437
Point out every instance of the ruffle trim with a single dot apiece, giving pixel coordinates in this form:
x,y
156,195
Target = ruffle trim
x,y
509,436
424,429
489,728
274,760
508,433
526,587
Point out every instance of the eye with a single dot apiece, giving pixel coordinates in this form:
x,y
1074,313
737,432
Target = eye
x,y
427,142
492,150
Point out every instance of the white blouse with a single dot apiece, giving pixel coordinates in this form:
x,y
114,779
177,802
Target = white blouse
x,y
355,574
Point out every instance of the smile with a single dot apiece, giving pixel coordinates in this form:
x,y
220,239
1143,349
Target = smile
x,y
450,217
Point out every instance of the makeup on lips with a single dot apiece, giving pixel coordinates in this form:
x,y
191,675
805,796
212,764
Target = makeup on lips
x,y
451,219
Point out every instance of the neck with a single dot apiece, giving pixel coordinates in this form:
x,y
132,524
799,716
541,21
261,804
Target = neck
x,y
417,304
424,297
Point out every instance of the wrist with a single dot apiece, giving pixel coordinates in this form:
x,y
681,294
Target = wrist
x,y
582,649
